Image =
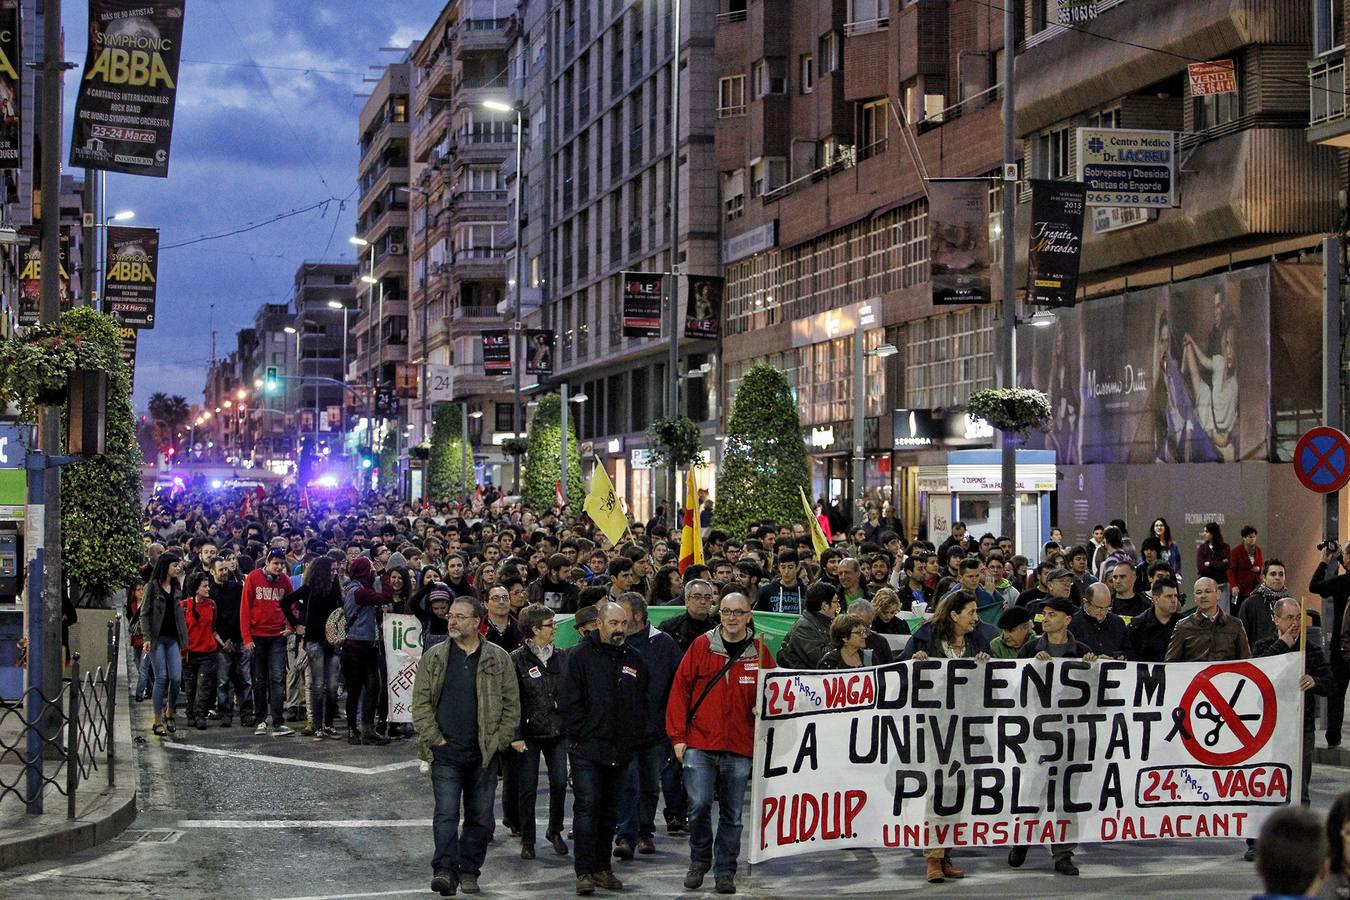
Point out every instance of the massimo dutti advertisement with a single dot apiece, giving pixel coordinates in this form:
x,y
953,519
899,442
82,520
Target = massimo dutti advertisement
x,y
1194,371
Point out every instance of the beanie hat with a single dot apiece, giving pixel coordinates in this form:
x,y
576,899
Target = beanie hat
x,y
360,568
439,591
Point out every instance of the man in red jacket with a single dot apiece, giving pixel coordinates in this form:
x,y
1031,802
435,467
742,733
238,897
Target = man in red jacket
x,y
710,718
263,628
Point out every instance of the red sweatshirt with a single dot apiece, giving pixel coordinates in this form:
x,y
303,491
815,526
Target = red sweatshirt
x,y
726,720
201,624
260,612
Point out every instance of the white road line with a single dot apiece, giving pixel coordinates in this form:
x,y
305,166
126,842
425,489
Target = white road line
x,y
304,823
303,763
352,896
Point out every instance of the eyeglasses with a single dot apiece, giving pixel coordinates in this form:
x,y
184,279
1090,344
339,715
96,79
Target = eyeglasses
x,y
734,612
462,618
549,624
700,598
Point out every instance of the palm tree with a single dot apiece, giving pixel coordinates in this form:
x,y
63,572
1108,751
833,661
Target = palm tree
x,y
169,414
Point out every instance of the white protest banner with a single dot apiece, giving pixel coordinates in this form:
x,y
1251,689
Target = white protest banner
x,y
402,652
960,753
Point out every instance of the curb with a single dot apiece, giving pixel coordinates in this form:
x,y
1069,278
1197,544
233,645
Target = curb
x,y
105,818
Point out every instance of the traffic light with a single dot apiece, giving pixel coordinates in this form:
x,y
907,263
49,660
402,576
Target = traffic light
x,y
270,383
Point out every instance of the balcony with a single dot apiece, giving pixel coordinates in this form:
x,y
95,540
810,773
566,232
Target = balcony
x,y
436,78
484,34
1327,123
431,129
390,132
475,313
478,206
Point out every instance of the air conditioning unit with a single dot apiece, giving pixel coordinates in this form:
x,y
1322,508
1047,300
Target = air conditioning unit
x,y
397,249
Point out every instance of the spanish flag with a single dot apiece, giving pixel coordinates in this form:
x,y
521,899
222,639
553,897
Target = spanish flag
x,y
691,542
602,505
817,536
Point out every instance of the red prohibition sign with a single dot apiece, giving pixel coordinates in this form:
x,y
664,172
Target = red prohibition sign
x,y
1322,460
1251,742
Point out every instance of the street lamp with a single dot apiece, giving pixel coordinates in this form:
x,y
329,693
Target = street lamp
x,y
860,357
518,363
464,417
101,245
342,403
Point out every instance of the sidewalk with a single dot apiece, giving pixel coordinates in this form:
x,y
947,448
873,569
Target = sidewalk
x,y
102,813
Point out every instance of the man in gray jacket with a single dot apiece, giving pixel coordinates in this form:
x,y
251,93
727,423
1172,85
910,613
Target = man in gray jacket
x,y
809,638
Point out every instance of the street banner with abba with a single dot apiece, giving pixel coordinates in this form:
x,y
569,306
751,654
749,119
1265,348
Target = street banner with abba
x,y
961,753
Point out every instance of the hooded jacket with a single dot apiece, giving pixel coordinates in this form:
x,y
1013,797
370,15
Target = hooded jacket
x,y
662,656
260,608
726,719
360,602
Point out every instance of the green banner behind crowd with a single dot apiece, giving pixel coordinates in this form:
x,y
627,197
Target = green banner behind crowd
x,y
773,627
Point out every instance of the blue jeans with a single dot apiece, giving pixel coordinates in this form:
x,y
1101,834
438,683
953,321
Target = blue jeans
x,y
456,777
709,774
595,811
235,677
324,661
554,752
641,791
269,678
143,672
167,661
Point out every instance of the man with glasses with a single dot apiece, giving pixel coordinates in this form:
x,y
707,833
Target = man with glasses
x,y
809,638
696,618
710,719
539,670
1095,625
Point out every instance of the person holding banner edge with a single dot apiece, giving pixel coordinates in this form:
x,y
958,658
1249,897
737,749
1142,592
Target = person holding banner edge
x,y
1318,677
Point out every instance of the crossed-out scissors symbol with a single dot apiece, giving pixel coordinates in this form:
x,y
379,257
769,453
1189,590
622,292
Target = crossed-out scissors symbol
x,y
1205,710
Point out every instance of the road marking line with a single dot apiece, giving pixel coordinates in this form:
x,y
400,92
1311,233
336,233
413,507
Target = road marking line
x,y
351,896
303,763
305,823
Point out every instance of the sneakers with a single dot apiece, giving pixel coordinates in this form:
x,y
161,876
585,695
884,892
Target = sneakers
x,y
693,879
676,824
308,730
260,730
646,846
468,884
213,714
1249,855
1064,866
726,884
283,731
607,881
444,884
330,732
622,850
224,723
585,885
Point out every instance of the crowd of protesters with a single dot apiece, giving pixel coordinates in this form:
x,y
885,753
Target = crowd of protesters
x,y
267,610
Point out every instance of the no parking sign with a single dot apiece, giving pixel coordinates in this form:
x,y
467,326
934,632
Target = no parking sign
x,y
1322,460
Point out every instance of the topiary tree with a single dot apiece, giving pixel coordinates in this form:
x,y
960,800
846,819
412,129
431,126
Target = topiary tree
x,y
764,464
447,476
387,460
100,496
543,457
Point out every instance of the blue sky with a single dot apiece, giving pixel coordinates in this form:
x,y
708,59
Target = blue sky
x,y
250,143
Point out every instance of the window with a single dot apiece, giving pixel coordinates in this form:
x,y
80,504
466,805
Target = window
x,y
1328,25
828,52
872,127
731,96
766,174
1212,110
1107,118
504,416
806,72
733,194
1053,154
768,77
866,15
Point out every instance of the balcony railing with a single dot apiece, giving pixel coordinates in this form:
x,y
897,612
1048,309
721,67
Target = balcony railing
x,y
1326,89
865,26
727,18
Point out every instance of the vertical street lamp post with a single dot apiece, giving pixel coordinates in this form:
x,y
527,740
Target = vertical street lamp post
x,y
673,365
1008,478
464,417
342,398
426,302
860,357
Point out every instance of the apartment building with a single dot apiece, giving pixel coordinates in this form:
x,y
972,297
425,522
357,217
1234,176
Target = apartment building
x,y
1185,376
269,432
324,291
459,208
826,115
379,318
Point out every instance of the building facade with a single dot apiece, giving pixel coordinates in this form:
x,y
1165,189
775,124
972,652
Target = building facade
x,y
324,294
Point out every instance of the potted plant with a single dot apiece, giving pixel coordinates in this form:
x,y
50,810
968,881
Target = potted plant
x,y
1016,410
675,439
37,368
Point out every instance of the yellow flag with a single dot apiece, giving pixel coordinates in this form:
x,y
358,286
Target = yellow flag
x,y
817,536
603,506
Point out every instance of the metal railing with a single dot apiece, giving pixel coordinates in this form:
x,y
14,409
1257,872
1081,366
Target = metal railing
x,y
64,742
1326,89
736,15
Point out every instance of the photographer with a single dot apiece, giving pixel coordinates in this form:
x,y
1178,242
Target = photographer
x,y
1327,583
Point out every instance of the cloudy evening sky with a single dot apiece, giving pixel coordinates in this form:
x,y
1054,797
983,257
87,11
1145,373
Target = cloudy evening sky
x,y
250,143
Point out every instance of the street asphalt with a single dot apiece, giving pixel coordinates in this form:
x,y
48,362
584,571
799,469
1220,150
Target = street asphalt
x,y
224,814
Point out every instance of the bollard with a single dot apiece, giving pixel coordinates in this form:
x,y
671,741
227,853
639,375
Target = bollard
x,y
73,736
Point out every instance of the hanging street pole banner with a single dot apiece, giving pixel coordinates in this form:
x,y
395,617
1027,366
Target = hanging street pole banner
x,y
642,304
124,111
127,335
539,351
130,283
402,653
497,352
11,58
958,231
703,308
30,273
962,753
1056,242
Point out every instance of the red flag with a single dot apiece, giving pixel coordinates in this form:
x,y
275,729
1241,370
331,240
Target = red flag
x,y
557,494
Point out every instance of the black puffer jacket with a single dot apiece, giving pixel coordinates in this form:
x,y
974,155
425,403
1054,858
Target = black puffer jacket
x,y
604,700
540,683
